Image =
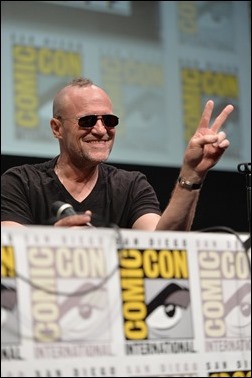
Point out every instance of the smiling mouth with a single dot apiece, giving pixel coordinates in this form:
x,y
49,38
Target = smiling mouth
x,y
102,141
97,141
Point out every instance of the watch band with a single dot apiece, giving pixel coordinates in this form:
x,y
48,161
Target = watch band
x,y
186,184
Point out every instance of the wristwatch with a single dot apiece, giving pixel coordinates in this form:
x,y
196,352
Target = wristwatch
x,y
186,184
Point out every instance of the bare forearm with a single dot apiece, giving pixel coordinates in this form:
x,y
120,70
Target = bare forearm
x,y
11,224
180,212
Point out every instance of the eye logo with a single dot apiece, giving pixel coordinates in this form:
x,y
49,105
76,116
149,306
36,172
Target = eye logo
x,y
8,302
238,312
85,316
168,311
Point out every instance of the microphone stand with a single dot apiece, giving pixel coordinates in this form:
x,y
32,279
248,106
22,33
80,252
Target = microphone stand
x,y
245,169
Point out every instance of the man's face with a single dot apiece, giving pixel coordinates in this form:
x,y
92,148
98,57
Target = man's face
x,y
92,144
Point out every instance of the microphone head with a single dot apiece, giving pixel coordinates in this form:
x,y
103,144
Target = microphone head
x,y
61,209
244,168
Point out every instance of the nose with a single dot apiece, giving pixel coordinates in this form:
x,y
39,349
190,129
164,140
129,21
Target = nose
x,y
100,118
99,127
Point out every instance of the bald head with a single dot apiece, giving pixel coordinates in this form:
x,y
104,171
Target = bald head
x,y
81,96
61,98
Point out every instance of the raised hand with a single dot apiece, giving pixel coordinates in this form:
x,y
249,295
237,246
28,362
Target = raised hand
x,y
208,143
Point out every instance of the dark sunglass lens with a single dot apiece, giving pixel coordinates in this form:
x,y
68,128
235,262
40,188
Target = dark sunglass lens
x,y
87,121
110,120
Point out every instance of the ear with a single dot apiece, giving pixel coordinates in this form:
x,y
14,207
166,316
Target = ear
x,y
56,127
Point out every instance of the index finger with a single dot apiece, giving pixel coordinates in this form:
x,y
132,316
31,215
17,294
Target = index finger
x,y
218,122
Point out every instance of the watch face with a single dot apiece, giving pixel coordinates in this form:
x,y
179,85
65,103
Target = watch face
x,y
187,184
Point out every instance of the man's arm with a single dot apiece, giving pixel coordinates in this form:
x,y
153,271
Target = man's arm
x,y
204,150
70,221
11,224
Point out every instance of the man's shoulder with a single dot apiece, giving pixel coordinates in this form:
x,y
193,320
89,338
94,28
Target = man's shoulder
x,y
30,169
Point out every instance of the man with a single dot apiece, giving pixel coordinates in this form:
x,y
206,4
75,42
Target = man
x,y
85,126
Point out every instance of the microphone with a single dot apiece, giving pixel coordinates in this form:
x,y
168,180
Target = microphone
x,y
244,168
61,210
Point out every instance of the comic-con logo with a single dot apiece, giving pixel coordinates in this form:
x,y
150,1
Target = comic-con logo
x,y
67,302
9,306
225,293
155,294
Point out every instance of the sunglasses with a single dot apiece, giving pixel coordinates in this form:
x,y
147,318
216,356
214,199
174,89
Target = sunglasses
x,y
88,121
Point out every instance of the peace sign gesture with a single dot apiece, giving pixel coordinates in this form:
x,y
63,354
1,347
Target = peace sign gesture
x,y
208,143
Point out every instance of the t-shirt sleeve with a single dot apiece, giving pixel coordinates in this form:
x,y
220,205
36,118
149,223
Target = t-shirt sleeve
x,y
143,198
14,197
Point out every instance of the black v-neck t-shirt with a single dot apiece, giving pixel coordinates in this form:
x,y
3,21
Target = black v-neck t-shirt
x,y
119,197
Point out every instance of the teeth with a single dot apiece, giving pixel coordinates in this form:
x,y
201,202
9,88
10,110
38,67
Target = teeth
x,y
96,141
